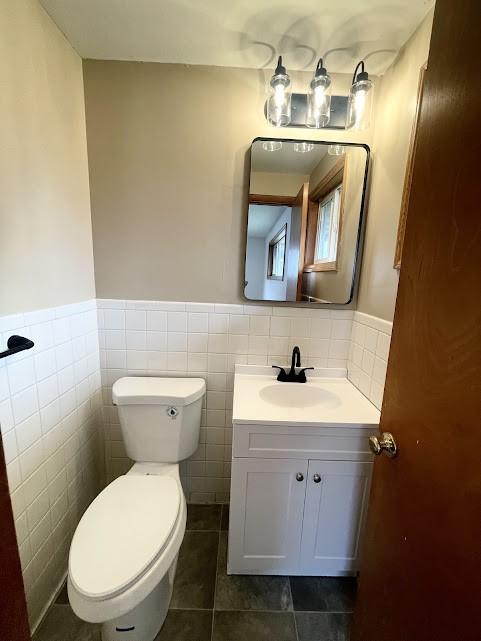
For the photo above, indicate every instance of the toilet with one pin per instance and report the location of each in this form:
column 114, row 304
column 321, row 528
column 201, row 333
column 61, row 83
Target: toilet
column 124, row 551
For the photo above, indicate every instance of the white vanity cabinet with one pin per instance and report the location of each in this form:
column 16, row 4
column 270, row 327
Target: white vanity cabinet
column 334, row 510
column 298, row 499
column 301, row 472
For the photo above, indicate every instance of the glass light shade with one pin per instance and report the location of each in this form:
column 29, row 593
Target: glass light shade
column 279, row 101
column 272, row 145
column 359, row 105
column 303, row 147
column 336, row 150
column 319, row 102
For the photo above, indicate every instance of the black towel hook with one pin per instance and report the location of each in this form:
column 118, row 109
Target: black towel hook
column 16, row 344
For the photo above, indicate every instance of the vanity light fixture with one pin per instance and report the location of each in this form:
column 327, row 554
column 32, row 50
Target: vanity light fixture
column 336, row 150
column 272, row 145
column 319, row 98
column 359, row 105
column 279, row 101
column 303, row 147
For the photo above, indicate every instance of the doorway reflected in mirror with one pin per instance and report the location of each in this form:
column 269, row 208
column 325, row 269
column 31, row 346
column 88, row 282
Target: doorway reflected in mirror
column 305, row 220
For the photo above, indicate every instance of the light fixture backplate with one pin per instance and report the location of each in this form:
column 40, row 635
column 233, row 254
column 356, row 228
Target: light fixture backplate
column 299, row 112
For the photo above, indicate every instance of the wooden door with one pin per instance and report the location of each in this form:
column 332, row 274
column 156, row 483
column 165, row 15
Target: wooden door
column 13, row 610
column 267, row 504
column 299, row 209
column 421, row 566
column 336, row 501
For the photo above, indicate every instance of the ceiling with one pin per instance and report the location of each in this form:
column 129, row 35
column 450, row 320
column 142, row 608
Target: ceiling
column 244, row 33
column 286, row 160
column 261, row 219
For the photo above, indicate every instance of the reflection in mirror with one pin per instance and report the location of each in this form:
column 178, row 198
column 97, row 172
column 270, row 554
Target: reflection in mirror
column 304, row 221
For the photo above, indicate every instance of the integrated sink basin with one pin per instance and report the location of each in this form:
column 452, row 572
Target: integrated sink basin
column 327, row 399
column 299, row 395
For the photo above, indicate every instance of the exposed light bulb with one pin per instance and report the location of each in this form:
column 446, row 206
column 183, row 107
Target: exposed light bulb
column 336, row 150
column 279, row 102
column 272, row 145
column 303, row 147
column 319, row 98
column 359, row 104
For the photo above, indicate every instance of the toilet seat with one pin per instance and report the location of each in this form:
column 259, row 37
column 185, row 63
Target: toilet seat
column 123, row 534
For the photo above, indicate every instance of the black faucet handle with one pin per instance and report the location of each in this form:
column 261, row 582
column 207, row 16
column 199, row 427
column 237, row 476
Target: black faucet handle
column 282, row 376
column 301, row 374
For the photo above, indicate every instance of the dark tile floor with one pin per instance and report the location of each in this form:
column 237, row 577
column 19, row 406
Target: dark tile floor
column 209, row 605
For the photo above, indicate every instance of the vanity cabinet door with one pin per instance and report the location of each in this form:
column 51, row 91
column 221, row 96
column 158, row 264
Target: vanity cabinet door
column 266, row 510
column 336, row 501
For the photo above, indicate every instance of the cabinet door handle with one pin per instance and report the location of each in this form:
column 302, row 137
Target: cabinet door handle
column 316, row 478
column 299, row 477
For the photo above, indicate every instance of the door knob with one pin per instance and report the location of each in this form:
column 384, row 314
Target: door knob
column 386, row 443
column 316, row 478
column 299, row 477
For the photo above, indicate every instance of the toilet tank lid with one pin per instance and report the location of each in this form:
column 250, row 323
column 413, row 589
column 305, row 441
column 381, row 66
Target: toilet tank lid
column 153, row 390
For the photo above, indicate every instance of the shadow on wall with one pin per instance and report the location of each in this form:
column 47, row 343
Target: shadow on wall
column 273, row 31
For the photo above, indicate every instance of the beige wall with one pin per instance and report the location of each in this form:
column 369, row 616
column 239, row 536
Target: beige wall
column 168, row 158
column 276, row 184
column 46, row 243
column 396, row 94
column 169, row 176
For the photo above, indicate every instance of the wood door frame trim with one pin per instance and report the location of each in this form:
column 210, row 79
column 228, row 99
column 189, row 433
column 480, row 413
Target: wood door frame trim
column 408, row 177
column 267, row 199
column 328, row 182
column 304, row 204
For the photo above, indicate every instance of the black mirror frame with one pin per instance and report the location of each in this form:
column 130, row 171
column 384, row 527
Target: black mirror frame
column 360, row 230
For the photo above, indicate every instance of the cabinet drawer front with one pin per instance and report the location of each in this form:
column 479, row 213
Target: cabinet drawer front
column 333, row 443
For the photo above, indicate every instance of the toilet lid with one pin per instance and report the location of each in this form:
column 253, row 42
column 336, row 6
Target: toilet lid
column 122, row 533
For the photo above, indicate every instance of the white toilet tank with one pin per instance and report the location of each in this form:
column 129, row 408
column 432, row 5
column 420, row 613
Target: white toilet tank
column 159, row 417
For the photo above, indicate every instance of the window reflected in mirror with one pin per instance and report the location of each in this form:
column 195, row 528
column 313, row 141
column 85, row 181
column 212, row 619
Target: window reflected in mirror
column 327, row 230
column 277, row 255
column 304, row 220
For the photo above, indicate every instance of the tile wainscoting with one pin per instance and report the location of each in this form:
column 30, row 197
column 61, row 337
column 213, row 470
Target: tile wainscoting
column 207, row 340
column 50, row 414
column 368, row 355
column 56, row 398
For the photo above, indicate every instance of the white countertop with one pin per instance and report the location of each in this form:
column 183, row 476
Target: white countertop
column 327, row 399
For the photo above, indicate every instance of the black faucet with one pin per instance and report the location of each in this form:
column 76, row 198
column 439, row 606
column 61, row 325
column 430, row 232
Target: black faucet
column 292, row 377
column 295, row 360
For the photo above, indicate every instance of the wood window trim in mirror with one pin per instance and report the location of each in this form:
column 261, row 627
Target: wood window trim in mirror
column 409, row 173
column 282, row 233
column 334, row 177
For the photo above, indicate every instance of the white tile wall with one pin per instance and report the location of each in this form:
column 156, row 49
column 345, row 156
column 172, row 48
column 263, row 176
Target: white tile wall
column 50, row 420
column 368, row 355
column 207, row 340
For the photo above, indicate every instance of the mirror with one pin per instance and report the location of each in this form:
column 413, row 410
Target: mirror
column 305, row 219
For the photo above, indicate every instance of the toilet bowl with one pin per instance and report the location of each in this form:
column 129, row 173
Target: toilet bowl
column 124, row 551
